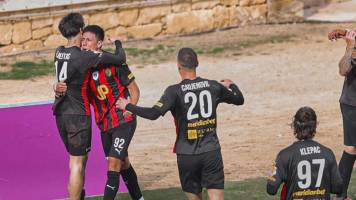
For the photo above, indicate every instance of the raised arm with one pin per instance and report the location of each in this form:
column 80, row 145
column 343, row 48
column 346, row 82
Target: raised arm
column 346, row 63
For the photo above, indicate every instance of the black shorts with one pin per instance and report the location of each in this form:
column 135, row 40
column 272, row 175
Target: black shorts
column 75, row 131
column 202, row 170
column 116, row 141
column 349, row 124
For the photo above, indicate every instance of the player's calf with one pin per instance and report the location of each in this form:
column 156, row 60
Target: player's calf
column 129, row 176
column 112, row 185
column 215, row 194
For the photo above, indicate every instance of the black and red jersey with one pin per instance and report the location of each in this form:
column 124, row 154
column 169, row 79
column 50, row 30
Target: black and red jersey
column 107, row 84
column 72, row 65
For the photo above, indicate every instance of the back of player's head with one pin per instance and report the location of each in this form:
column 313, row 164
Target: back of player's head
column 187, row 58
column 304, row 123
column 97, row 30
column 71, row 25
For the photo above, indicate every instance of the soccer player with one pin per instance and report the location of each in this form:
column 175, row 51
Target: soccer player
column 307, row 168
column 193, row 103
column 107, row 83
column 348, row 106
column 72, row 108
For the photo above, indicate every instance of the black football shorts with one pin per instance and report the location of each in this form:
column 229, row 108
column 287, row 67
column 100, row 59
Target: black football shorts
column 349, row 124
column 116, row 140
column 75, row 131
column 204, row 170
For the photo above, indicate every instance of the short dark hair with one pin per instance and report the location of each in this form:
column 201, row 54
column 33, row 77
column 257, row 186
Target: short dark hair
column 70, row 25
column 188, row 58
column 304, row 123
column 97, row 30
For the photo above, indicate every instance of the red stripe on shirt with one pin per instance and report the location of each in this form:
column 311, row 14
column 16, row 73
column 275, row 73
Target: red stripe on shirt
column 121, row 89
column 177, row 134
column 84, row 94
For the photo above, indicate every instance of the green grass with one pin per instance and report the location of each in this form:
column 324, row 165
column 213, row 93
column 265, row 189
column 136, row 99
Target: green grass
column 26, row 70
column 251, row 189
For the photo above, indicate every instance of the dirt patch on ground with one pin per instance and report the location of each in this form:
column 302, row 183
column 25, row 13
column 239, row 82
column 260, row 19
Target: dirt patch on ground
column 279, row 68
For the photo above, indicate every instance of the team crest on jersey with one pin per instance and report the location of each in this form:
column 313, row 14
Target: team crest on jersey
column 108, row 72
column 95, row 75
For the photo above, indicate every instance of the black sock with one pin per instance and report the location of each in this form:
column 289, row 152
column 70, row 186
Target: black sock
column 82, row 195
column 112, row 185
column 130, row 178
column 345, row 167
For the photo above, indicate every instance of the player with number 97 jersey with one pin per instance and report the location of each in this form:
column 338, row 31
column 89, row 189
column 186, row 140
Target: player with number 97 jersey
column 307, row 168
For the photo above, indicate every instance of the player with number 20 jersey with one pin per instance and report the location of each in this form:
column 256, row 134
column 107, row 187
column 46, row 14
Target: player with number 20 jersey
column 193, row 103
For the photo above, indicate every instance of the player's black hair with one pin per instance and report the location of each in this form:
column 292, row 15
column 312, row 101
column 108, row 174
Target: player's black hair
column 97, row 30
column 70, row 25
column 187, row 58
column 304, row 123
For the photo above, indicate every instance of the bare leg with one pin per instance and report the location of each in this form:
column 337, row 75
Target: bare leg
column 76, row 177
column 215, row 194
column 192, row 196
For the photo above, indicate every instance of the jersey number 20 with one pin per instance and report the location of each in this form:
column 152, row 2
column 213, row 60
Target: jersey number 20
column 203, row 96
column 62, row 68
column 304, row 173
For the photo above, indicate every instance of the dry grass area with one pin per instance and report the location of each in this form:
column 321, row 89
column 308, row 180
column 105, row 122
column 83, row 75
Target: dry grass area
column 279, row 68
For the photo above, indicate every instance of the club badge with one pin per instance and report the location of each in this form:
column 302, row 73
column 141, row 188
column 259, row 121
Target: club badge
column 95, row 75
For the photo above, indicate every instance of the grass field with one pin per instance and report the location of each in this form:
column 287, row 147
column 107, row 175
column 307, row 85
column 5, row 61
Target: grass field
column 253, row 189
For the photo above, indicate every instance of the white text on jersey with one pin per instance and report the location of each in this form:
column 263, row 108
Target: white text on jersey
column 65, row 56
column 309, row 150
column 195, row 86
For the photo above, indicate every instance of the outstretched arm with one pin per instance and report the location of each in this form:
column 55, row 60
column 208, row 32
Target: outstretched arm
column 144, row 112
column 159, row 109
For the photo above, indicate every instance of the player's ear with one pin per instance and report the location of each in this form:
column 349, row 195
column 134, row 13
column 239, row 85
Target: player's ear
column 100, row 44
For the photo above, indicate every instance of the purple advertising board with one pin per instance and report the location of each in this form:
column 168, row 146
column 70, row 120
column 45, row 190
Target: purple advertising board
column 34, row 162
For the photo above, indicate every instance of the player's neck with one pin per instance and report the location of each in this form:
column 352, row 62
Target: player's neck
column 74, row 41
column 189, row 75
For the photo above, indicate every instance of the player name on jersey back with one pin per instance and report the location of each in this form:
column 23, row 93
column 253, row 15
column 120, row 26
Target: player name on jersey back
column 309, row 150
column 63, row 56
column 195, row 86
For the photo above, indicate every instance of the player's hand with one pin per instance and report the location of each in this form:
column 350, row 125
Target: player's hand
column 226, row 83
column 60, row 87
column 336, row 34
column 127, row 114
column 112, row 39
column 122, row 103
column 350, row 38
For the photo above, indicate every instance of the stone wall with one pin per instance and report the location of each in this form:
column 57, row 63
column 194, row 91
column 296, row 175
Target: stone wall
column 132, row 19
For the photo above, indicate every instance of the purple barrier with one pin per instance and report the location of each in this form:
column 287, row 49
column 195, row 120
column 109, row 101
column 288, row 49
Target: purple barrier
column 33, row 160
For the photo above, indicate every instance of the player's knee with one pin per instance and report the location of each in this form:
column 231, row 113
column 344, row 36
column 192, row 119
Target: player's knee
column 114, row 164
column 350, row 150
column 77, row 168
column 126, row 163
